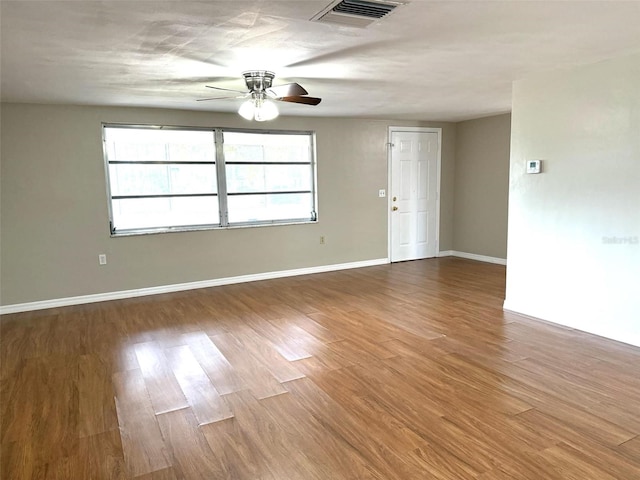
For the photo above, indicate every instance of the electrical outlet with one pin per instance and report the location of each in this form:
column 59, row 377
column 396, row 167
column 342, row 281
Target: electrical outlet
column 322, row 240
column 102, row 259
column 382, row 193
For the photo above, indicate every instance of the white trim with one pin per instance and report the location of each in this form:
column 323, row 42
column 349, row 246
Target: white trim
column 508, row 307
column 629, row 338
column 140, row 292
column 473, row 256
column 393, row 129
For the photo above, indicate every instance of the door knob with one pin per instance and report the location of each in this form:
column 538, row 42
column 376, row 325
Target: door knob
column 394, row 208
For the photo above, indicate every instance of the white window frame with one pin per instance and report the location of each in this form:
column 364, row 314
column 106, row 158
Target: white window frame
column 222, row 195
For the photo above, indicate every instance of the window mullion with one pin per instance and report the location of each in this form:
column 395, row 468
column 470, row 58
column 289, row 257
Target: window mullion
column 168, row 170
column 314, row 177
column 222, row 177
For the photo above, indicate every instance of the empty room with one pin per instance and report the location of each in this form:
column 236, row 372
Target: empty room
column 316, row 239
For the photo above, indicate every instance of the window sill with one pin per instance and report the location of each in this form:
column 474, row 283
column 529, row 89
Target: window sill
column 158, row 231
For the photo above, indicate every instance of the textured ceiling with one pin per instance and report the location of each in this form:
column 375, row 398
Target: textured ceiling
column 447, row 60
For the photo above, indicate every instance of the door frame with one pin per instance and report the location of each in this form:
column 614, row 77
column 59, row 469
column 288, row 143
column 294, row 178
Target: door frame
column 393, row 129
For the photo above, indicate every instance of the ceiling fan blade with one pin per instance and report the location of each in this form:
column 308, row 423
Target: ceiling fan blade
column 299, row 99
column 218, row 98
column 287, row 90
column 226, row 89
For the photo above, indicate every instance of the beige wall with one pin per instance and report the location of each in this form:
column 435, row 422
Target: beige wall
column 54, row 219
column 482, row 186
column 447, row 184
column 574, row 230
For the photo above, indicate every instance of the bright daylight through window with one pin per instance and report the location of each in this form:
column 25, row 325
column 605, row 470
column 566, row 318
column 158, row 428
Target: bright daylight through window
column 167, row 178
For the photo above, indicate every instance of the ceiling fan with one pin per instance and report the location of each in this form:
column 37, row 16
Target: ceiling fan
column 261, row 93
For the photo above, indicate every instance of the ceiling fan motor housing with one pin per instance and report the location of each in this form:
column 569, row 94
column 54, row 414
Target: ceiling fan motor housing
column 258, row 80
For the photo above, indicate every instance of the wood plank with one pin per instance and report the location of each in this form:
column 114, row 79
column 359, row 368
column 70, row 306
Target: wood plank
column 284, row 317
column 439, row 464
column 207, row 404
column 19, row 410
column 363, row 405
column 54, row 430
column 237, row 451
column 336, row 418
column 258, row 378
column 101, row 456
column 164, row 474
column 571, row 426
column 630, row 449
column 610, row 460
column 221, row 373
column 575, row 465
column 327, row 456
column 283, row 456
column 266, row 352
column 567, row 412
column 107, row 337
column 290, row 341
column 585, row 392
column 15, row 341
column 163, row 388
column 97, row 408
column 532, row 467
column 19, row 461
column 191, row 454
column 144, row 448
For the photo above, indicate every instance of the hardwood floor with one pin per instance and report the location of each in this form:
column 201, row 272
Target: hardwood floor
column 403, row 371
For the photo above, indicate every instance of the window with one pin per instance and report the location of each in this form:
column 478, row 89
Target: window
column 168, row 178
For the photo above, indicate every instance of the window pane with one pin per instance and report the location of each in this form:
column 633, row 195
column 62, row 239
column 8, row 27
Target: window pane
column 164, row 212
column 266, row 147
column 255, row 208
column 249, row 167
column 143, row 144
column 145, row 179
column 268, row 178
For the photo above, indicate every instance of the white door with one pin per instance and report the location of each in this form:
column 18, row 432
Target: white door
column 413, row 195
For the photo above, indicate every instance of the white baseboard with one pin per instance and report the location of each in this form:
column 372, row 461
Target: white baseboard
column 472, row 256
column 140, row 292
column 569, row 322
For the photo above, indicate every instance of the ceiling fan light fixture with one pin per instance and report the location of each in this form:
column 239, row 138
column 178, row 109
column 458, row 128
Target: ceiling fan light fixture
column 247, row 110
column 267, row 110
column 258, row 109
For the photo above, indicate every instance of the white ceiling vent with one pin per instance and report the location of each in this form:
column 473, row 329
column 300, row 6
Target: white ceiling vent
column 356, row 13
